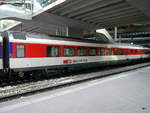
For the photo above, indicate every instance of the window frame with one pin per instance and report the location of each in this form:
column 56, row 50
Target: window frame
column 100, row 51
column 116, row 51
column 110, row 49
column 132, row 51
column 82, row 48
column 90, row 51
column 23, row 51
column 51, row 47
column 68, row 47
column 120, row 51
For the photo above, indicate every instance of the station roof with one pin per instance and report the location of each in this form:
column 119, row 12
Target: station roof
column 84, row 14
column 104, row 12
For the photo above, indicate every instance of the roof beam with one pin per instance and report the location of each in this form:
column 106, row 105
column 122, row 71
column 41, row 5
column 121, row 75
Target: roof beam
column 79, row 6
column 112, row 12
column 117, row 6
column 110, row 17
column 65, row 6
column 87, row 8
column 98, row 6
column 142, row 5
column 121, row 21
column 58, row 8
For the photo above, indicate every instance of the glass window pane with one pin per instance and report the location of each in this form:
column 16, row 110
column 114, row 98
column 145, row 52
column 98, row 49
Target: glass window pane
column 81, row 51
column 68, row 51
column 92, row 51
column 20, row 51
column 115, row 51
column 108, row 51
column 121, row 52
column 101, row 51
column 132, row 51
column 53, row 51
column 148, row 51
column 142, row 52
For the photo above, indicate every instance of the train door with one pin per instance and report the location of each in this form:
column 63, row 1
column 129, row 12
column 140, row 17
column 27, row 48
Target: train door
column 5, row 51
column 1, row 57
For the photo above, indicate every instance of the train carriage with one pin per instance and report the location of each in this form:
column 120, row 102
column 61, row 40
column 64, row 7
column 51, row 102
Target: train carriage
column 29, row 52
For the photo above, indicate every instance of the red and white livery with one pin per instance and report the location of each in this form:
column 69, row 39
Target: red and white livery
column 28, row 52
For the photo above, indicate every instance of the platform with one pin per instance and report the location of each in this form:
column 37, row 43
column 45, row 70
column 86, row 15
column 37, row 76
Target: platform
column 128, row 92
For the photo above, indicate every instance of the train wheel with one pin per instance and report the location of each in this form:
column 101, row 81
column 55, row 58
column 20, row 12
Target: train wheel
column 9, row 74
column 37, row 74
column 46, row 73
column 21, row 74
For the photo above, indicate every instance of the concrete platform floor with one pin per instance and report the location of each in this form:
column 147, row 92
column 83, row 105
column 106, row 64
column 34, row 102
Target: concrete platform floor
column 128, row 92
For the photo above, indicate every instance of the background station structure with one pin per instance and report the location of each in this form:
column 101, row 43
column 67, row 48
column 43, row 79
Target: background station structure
column 76, row 18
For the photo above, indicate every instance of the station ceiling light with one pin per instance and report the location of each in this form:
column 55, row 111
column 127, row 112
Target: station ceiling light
column 132, row 43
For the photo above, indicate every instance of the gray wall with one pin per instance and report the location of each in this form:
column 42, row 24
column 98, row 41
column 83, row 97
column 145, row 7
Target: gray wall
column 75, row 32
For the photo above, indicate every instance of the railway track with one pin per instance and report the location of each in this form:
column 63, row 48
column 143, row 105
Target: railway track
column 16, row 91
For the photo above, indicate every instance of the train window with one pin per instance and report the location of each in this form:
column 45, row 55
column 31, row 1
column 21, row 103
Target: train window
column 52, row 51
column 69, row 51
column 101, row 51
column 81, row 51
column 108, row 51
column 120, row 52
column 148, row 51
column 116, row 51
column 92, row 51
column 20, row 36
column 132, row 51
column 20, row 51
column 142, row 52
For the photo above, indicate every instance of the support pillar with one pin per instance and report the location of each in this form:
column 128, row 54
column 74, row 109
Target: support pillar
column 116, row 33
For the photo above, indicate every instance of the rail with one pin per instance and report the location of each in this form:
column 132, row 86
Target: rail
column 18, row 90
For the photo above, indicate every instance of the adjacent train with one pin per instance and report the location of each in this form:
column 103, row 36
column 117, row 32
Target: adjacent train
column 27, row 52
